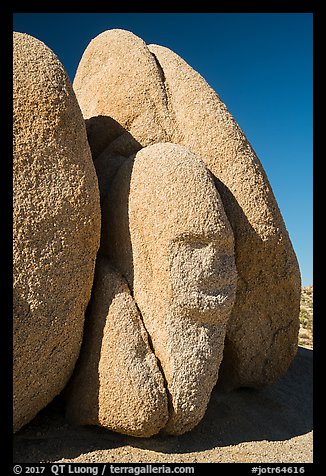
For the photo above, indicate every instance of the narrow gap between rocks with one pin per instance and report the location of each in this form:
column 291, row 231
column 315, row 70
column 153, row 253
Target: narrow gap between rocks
column 159, row 364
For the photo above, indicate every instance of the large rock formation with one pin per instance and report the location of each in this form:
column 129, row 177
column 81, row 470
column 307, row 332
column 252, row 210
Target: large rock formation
column 169, row 236
column 204, row 267
column 56, row 227
column 133, row 96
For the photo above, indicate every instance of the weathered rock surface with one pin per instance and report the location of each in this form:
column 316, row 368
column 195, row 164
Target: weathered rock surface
column 263, row 329
column 117, row 383
column 156, row 96
column 168, row 234
column 118, row 81
column 56, row 227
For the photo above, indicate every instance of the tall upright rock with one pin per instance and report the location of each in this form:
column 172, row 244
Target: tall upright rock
column 56, row 227
column 168, row 234
column 152, row 349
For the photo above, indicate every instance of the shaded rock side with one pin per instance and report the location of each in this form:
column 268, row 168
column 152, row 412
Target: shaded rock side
column 117, row 383
column 166, row 231
column 56, row 227
column 262, row 331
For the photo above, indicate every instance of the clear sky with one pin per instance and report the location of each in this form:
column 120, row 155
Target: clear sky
column 260, row 64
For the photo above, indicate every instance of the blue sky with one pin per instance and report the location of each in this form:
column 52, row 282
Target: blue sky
column 260, row 64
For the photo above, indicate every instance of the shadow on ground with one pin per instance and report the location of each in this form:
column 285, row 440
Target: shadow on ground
column 276, row 413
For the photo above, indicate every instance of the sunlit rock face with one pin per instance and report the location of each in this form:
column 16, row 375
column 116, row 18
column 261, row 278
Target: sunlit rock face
column 56, row 227
column 153, row 347
column 176, row 250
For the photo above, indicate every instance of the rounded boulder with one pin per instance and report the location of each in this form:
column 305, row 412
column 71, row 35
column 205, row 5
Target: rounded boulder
column 56, row 227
